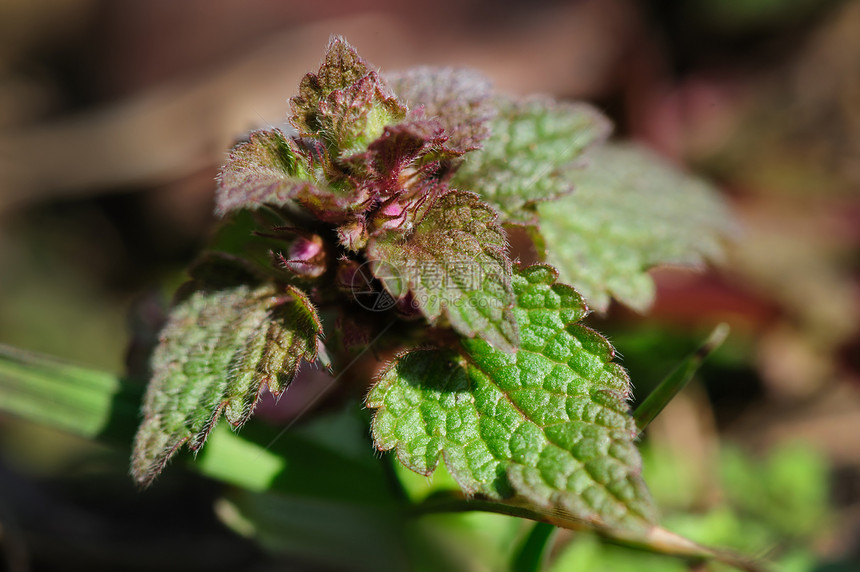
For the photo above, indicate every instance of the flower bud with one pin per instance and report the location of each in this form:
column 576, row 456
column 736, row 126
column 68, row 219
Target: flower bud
column 306, row 256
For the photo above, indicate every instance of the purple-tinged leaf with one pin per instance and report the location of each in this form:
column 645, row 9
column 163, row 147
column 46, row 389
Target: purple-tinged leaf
column 458, row 98
column 344, row 103
column 402, row 169
column 455, row 266
column 268, row 169
column 218, row 352
column 271, row 169
column 391, row 161
column 349, row 119
column 341, row 68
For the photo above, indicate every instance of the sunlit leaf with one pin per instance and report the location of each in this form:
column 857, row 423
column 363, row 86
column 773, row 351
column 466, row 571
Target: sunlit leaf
column 266, row 170
column 630, row 211
column 534, row 144
column 453, row 264
column 344, row 102
column 549, row 422
column 220, row 349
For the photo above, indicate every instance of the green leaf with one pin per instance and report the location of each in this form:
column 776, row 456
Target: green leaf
column 453, row 264
column 533, row 145
column 630, row 211
column 230, row 458
column 548, row 422
column 217, row 353
column 459, row 99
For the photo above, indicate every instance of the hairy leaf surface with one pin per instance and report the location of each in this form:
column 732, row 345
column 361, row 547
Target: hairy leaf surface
column 341, row 68
column 453, row 264
column 549, row 422
column 630, row 211
column 272, row 169
column 216, row 354
column 266, row 170
column 345, row 103
column 349, row 119
column 459, row 99
column 534, row 144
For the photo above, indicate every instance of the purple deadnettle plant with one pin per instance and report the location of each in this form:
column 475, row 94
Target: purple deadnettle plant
column 385, row 219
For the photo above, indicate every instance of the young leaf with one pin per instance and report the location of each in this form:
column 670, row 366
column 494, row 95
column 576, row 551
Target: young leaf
column 272, row 169
column 630, row 211
column 548, row 422
column 350, row 118
column 459, row 99
column 218, row 352
column 267, row 169
column 341, row 68
column 454, row 263
column 400, row 168
column 345, row 103
column 534, row 143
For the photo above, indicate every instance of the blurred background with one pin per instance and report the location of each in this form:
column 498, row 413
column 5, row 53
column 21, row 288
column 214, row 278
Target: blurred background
column 114, row 118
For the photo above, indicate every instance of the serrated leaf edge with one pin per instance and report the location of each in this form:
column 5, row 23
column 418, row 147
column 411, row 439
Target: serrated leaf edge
column 196, row 441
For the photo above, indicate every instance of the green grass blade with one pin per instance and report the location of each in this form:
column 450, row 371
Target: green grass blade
column 532, row 554
column 678, row 378
column 78, row 400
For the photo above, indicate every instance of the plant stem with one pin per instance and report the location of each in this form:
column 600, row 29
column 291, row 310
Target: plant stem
column 653, row 539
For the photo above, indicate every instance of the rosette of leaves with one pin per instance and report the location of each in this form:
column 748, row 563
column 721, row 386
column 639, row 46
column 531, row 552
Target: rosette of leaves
column 403, row 187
